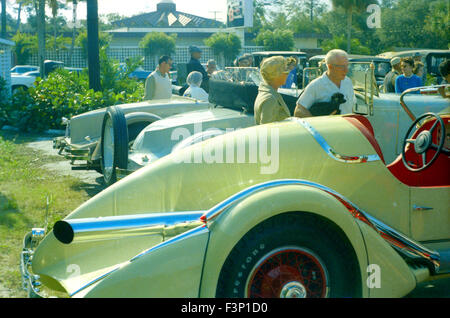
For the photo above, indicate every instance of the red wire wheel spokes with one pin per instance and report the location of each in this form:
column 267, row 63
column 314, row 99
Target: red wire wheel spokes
column 288, row 272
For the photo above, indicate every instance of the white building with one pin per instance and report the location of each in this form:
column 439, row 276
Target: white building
column 5, row 61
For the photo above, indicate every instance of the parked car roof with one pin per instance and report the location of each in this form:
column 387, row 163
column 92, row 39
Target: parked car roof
column 24, row 69
column 423, row 52
column 283, row 53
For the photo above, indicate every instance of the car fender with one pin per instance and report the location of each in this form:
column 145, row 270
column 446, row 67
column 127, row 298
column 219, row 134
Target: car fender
column 172, row 269
column 388, row 273
column 229, row 227
column 136, row 117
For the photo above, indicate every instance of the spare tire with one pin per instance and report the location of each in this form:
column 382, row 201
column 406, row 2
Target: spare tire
column 114, row 144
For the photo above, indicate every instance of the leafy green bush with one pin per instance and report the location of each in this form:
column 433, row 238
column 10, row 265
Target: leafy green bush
column 158, row 43
column 25, row 46
column 64, row 94
column 224, row 45
column 104, row 39
column 4, row 102
column 340, row 42
column 278, row 40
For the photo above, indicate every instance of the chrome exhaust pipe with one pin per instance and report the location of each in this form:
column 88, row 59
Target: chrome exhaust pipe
column 113, row 227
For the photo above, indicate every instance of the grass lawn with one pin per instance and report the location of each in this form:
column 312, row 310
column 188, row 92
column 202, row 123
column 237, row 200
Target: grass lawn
column 24, row 187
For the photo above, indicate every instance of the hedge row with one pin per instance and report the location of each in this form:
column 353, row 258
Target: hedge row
column 64, row 94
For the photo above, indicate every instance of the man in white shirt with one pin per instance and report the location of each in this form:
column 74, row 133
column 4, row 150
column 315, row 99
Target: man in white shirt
column 333, row 81
column 158, row 84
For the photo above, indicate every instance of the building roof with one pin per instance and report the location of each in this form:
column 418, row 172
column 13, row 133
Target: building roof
column 166, row 16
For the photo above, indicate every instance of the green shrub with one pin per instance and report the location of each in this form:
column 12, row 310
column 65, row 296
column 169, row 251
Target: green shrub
column 224, row 45
column 278, row 40
column 104, row 39
column 64, row 94
column 25, row 46
column 4, row 102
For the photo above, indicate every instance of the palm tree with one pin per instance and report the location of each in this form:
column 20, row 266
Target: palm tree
column 40, row 13
column 22, row 4
column 54, row 5
column 74, row 30
column 350, row 6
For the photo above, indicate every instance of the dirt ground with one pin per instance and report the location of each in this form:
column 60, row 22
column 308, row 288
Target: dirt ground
column 63, row 167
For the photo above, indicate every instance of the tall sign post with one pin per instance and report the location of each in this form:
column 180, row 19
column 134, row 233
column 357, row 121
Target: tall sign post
column 239, row 17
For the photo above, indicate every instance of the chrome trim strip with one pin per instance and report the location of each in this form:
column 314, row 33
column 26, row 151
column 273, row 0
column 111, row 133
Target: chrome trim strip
column 191, row 233
column 95, row 280
column 330, row 151
column 412, row 248
column 421, row 208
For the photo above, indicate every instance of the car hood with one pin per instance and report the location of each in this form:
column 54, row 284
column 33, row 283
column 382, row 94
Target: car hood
column 159, row 138
column 200, row 176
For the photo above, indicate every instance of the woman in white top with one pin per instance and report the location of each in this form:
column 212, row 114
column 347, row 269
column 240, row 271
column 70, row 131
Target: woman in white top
column 194, row 80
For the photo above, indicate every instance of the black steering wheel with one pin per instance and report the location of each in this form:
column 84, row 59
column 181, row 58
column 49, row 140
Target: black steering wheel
column 423, row 142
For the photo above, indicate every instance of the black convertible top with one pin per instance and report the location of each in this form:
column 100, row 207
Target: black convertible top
column 240, row 95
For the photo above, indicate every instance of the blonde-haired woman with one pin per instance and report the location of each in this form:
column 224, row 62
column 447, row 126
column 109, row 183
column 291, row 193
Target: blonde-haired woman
column 269, row 105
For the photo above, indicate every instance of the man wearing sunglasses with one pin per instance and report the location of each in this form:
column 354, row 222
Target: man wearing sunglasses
column 333, row 81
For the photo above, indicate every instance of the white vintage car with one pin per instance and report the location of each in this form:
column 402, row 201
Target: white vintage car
column 126, row 137
column 83, row 132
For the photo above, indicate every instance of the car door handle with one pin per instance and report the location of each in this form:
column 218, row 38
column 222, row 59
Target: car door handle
column 421, row 208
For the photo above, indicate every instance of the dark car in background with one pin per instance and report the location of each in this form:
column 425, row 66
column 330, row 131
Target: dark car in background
column 430, row 58
column 382, row 64
column 301, row 57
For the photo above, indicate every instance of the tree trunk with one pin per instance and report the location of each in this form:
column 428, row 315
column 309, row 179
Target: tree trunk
column 41, row 35
column 93, row 49
column 19, row 10
column 74, row 20
column 54, row 32
column 349, row 28
column 3, row 33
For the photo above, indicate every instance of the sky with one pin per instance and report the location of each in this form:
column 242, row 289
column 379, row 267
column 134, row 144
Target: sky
column 205, row 8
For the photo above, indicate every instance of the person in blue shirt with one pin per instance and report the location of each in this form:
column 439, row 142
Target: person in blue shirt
column 292, row 76
column 408, row 79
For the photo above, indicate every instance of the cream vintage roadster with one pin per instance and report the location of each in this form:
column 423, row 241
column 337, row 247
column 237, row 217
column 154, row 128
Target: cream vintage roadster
column 332, row 206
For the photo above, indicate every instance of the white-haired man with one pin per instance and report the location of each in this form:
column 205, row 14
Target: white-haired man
column 333, row 81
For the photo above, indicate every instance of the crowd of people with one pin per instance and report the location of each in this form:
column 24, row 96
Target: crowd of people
column 405, row 73
column 279, row 72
